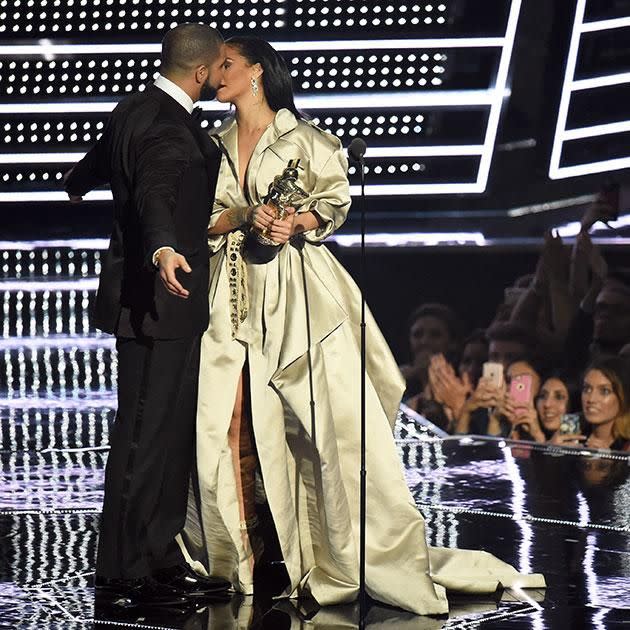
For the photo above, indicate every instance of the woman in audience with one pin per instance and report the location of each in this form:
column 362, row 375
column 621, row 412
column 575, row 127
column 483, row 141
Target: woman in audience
column 558, row 396
column 553, row 402
column 606, row 404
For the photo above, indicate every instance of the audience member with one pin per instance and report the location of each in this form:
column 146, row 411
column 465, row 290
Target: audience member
column 474, row 355
column 521, row 413
column 557, row 397
column 508, row 341
column 572, row 311
column 433, row 329
column 606, row 404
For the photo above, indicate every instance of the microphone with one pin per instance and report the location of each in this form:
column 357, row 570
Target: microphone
column 357, row 149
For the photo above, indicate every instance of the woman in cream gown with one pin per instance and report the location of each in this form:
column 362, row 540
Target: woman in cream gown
column 282, row 334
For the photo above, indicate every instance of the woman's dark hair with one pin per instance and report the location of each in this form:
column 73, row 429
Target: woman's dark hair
column 476, row 336
column 276, row 77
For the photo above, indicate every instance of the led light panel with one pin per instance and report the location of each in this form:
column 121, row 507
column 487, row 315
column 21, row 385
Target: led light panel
column 557, row 168
column 59, row 94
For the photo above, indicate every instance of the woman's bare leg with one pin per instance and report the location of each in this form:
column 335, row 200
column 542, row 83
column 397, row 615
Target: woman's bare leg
column 245, row 461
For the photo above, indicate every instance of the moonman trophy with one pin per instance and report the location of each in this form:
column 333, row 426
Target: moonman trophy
column 283, row 193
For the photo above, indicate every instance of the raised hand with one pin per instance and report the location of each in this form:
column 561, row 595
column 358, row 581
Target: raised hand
column 447, row 388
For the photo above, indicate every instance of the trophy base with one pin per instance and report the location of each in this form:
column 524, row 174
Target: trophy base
column 258, row 249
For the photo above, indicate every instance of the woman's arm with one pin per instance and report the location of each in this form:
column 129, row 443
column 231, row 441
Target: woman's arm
column 230, row 219
column 306, row 221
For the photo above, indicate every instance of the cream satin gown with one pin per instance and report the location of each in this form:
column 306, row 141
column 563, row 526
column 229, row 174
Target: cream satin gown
column 310, row 466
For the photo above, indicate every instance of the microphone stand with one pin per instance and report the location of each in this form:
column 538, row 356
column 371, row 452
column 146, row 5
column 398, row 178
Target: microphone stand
column 358, row 157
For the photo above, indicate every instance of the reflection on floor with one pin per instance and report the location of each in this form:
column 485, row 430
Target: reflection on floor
column 554, row 511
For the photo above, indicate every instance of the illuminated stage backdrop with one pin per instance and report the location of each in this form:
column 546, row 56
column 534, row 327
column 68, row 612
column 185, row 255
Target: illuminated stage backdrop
column 424, row 83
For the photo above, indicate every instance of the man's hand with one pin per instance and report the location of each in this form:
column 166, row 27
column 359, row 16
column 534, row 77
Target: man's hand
column 73, row 198
column 168, row 262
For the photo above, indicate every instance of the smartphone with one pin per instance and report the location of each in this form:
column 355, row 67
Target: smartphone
column 570, row 424
column 521, row 389
column 493, row 372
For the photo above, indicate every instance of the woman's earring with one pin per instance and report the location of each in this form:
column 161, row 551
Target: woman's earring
column 254, row 87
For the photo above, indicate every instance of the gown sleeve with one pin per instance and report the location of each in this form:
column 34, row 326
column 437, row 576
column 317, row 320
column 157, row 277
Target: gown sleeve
column 330, row 198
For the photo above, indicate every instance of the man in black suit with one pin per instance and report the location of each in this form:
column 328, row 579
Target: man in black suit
column 153, row 295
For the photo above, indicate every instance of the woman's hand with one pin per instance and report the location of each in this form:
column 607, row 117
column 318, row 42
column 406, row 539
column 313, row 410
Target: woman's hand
column 447, row 388
column 486, row 395
column 527, row 419
column 593, row 442
column 263, row 217
column 566, row 439
column 281, row 230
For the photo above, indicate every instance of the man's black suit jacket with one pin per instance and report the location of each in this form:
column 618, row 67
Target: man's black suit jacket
column 162, row 168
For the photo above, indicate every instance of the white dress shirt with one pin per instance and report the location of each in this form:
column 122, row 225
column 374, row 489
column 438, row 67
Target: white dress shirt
column 175, row 92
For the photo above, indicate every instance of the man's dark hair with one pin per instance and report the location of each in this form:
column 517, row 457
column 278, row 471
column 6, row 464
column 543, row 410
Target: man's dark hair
column 189, row 45
column 442, row 312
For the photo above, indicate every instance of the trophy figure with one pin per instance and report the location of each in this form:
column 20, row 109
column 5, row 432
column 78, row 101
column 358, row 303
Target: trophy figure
column 283, row 193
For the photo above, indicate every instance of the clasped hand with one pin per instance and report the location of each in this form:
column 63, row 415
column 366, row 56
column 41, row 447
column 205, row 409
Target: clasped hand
column 278, row 230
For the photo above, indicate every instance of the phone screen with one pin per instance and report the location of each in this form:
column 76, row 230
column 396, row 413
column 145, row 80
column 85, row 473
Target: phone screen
column 570, row 424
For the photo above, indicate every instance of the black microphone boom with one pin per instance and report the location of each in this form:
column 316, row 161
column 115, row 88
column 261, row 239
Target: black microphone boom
column 357, row 149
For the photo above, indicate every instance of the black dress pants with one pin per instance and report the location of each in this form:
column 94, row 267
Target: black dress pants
column 151, row 456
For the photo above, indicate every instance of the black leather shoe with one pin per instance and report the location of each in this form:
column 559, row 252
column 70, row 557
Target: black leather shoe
column 139, row 592
column 187, row 582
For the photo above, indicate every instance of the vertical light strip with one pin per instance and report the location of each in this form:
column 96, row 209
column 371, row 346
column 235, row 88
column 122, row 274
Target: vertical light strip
column 565, row 99
column 499, row 95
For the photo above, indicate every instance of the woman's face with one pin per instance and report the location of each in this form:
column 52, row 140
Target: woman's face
column 599, row 401
column 236, row 76
column 552, row 403
column 428, row 336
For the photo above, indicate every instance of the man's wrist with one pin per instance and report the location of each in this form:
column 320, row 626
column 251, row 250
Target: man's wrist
column 155, row 259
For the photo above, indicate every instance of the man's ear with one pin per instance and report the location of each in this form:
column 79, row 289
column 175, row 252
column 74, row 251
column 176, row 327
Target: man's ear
column 201, row 74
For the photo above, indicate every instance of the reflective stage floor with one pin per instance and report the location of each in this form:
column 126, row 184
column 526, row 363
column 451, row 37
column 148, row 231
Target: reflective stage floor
column 559, row 512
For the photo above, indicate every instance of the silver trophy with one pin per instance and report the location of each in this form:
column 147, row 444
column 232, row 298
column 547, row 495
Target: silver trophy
column 283, row 193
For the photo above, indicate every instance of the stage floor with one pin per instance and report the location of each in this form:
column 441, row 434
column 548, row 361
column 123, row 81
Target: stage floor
column 560, row 512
